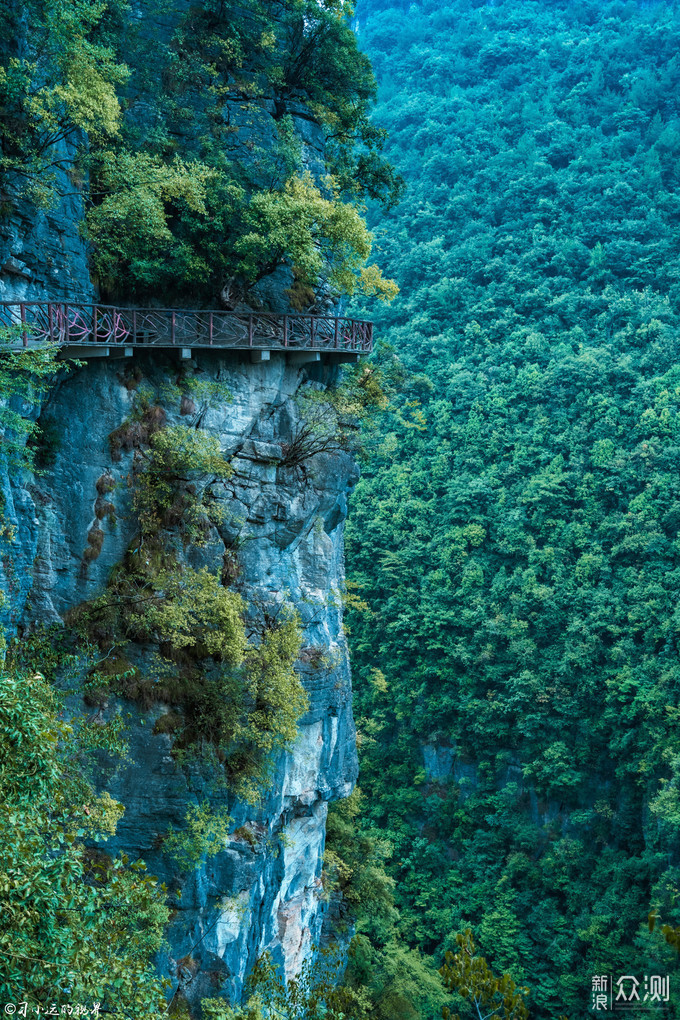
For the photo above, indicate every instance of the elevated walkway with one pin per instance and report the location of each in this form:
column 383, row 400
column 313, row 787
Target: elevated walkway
column 91, row 330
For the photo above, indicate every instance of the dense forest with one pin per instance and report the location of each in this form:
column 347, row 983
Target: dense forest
column 515, row 534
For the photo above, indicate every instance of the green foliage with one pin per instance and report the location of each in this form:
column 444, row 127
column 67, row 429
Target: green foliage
column 129, row 227
column 516, row 532
column 340, row 417
column 25, row 376
column 194, row 611
column 320, row 236
column 63, row 85
column 44, row 444
column 205, row 835
column 312, row 995
column 354, row 863
column 217, row 1009
column 188, row 611
column 390, row 980
column 489, row 997
column 234, row 704
column 400, row 983
column 239, row 703
column 77, row 925
column 271, row 701
column 172, row 487
column 189, row 179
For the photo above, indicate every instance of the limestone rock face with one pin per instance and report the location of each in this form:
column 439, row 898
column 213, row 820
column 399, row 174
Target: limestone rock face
column 263, row 891
column 42, row 252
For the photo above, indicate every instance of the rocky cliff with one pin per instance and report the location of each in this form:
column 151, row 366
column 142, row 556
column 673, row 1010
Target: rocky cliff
column 65, row 530
column 282, row 534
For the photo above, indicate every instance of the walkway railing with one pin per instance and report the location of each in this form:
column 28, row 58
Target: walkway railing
column 63, row 323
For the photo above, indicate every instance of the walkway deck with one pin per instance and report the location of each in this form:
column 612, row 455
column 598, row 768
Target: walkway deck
column 108, row 326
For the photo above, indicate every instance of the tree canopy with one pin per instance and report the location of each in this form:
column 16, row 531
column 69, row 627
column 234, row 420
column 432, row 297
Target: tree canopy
column 183, row 129
column 516, row 533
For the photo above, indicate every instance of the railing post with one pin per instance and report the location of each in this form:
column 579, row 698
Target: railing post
column 94, row 323
column 337, row 332
column 354, row 334
column 311, row 333
column 134, row 326
column 250, row 331
column 285, row 331
column 370, row 337
column 211, row 328
column 173, row 328
column 50, row 320
column 68, row 324
column 22, row 313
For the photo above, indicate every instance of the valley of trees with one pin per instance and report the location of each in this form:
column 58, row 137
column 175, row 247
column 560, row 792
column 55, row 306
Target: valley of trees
column 516, row 533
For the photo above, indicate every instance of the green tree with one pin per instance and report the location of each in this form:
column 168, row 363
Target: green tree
column 63, row 86
column 489, row 997
column 92, row 108
column 77, row 925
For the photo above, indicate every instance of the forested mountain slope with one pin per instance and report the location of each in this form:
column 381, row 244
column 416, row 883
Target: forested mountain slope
column 517, row 533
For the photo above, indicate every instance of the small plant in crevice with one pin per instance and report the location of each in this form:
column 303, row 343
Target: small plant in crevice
column 194, row 395
column 246, row 834
column 171, row 490
column 334, row 420
column 137, row 430
column 205, row 833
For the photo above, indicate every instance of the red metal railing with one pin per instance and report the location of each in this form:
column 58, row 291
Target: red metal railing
column 63, row 323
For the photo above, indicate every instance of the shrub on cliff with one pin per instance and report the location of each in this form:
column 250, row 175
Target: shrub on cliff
column 235, row 703
column 77, row 925
column 179, row 138
column 25, row 376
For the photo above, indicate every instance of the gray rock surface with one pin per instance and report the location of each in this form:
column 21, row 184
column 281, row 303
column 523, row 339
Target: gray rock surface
column 42, row 252
column 262, row 891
